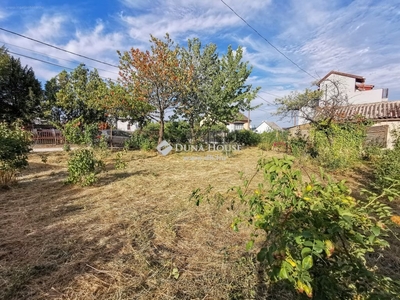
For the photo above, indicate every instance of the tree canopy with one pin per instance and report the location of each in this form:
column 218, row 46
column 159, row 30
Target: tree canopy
column 20, row 91
column 194, row 82
column 156, row 76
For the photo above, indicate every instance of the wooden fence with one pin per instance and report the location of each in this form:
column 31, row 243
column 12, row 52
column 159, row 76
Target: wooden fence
column 48, row 136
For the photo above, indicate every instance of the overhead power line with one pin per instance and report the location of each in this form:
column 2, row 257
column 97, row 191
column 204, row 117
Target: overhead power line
column 47, row 62
column 255, row 30
column 269, row 103
column 50, row 63
column 58, row 48
column 55, row 57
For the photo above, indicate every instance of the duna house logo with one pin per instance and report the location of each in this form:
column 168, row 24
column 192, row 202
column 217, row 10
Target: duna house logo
column 164, row 148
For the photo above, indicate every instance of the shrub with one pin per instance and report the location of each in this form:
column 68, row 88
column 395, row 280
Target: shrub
column 177, row 132
column 14, row 148
column 315, row 235
column 243, row 137
column 83, row 167
column 75, row 132
column 271, row 138
column 72, row 131
column 119, row 162
column 386, row 168
column 299, row 144
column 343, row 149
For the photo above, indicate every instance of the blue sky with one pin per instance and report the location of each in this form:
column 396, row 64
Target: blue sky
column 360, row 37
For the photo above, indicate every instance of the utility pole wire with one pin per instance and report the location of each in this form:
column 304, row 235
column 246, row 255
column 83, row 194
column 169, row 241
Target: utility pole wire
column 50, row 63
column 255, row 30
column 58, row 48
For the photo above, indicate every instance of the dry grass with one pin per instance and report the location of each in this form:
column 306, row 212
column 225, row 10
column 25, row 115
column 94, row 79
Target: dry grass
column 122, row 238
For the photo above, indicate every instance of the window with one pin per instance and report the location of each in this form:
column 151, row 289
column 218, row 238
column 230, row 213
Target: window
column 237, row 126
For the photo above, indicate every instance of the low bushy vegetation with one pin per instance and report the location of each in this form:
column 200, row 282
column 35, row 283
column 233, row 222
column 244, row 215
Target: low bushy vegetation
column 83, row 167
column 273, row 140
column 386, row 165
column 312, row 234
column 244, row 137
column 14, row 148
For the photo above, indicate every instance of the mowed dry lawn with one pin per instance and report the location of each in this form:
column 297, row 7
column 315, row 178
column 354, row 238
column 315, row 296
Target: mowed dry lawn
column 133, row 235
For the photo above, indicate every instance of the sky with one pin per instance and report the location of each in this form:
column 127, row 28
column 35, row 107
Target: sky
column 309, row 38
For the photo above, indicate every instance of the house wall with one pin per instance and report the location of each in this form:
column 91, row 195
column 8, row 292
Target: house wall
column 393, row 125
column 347, row 86
column 263, row 127
column 231, row 126
column 124, row 125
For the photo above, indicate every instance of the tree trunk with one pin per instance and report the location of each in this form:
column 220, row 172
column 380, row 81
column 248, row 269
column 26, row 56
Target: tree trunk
column 193, row 138
column 161, row 131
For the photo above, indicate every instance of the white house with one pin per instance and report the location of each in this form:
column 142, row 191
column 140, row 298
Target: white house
column 127, row 125
column 352, row 86
column 240, row 122
column 267, row 127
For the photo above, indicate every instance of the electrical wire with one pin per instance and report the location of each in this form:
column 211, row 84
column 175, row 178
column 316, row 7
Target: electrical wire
column 55, row 57
column 58, row 48
column 50, row 63
column 279, row 51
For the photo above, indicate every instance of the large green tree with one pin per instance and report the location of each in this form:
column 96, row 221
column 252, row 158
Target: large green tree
column 117, row 102
column 228, row 92
column 76, row 93
column 20, row 91
column 218, row 89
column 156, row 76
column 50, row 110
column 205, row 67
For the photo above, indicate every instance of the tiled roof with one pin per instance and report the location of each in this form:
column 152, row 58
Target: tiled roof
column 375, row 111
column 273, row 126
column 241, row 117
column 357, row 77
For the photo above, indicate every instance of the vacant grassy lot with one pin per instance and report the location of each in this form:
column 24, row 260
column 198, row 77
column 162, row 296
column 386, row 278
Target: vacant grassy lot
column 134, row 235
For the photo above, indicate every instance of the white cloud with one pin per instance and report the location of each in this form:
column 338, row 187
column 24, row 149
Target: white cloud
column 360, row 37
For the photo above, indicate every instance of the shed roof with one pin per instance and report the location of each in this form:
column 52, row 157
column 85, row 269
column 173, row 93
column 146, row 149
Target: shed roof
column 387, row 110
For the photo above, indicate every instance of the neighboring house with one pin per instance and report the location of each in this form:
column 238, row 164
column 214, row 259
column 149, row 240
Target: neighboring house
column 241, row 122
column 267, row 127
column 127, row 125
column 352, row 86
column 385, row 115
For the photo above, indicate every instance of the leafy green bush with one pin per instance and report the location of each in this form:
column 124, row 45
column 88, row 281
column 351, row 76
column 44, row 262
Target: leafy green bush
column 299, row 144
column 386, row 168
column 75, row 132
column 313, row 234
column 14, row 148
column 177, row 132
column 243, row 137
column 341, row 147
column 72, row 131
column 269, row 139
column 83, row 167
column 119, row 162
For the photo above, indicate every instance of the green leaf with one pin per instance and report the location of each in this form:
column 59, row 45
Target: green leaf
column 249, row 245
column 307, row 262
column 299, row 239
column 305, row 251
column 308, row 244
column 376, row 230
column 283, row 273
